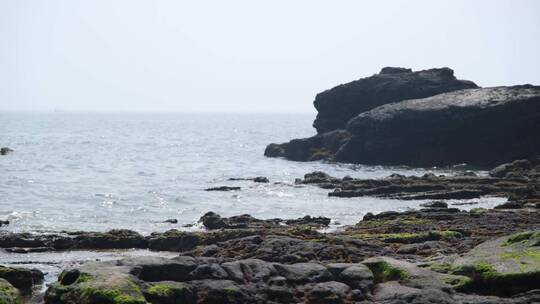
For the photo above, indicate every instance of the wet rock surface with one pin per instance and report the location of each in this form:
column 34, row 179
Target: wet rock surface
column 223, row 188
column 258, row 179
column 213, row 221
column 522, row 191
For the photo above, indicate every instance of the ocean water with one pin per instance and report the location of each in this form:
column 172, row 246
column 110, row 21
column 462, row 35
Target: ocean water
column 98, row 171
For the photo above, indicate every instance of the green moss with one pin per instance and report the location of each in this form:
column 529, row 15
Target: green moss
column 112, row 296
column 484, row 279
column 481, row 269
column 530, row 253
column 529, row 258
column 84, row 277
column 129, row 294
column 166, row 290
column 161, row 290
column 521, row 237
column 231, row 289
column 384, row 271
column 8, row 294
column 458, row 282
column 441, row 267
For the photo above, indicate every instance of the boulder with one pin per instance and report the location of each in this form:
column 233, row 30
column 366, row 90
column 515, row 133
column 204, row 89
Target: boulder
column 505, row 266
column 261, row 179
column 5, row 150
column 338, row 105
column 8, row 293
column 21, row 278
column 212, row 220
column 483, row 127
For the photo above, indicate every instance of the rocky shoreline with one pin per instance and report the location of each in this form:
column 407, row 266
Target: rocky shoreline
column 438, row 254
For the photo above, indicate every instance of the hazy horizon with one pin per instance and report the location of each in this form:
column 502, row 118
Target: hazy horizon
column 244, row 56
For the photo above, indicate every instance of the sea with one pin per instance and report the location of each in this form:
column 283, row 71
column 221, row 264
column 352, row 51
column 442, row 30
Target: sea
column 77, row 171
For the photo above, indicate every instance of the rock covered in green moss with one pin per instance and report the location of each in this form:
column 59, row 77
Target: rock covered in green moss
column 207, row 280
column 21, row 278
column 169, row 292
column 504, row 266
column 8, row 293
column 191, row 280
column 96, row 283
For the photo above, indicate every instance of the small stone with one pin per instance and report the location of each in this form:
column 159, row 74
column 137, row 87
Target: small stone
column 223, row 188
column 509, row 205
column 261, row 179
column 368, row 217
column 5, row 150
column 212, row 220
column 436, row 204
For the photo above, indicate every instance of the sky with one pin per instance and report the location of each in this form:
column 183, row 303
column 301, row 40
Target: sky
column 247, row 56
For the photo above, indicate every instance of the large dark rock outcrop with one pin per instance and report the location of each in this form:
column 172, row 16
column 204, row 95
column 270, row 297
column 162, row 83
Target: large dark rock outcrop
column 342, row 103
column 339, row 104
column 483, row 127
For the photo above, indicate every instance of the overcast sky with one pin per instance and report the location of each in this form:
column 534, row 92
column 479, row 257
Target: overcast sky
column 249, row 56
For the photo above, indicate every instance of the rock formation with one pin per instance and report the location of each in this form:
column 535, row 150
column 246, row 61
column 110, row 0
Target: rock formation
column 484, row 127
column 338, row 105
column 424, row 118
